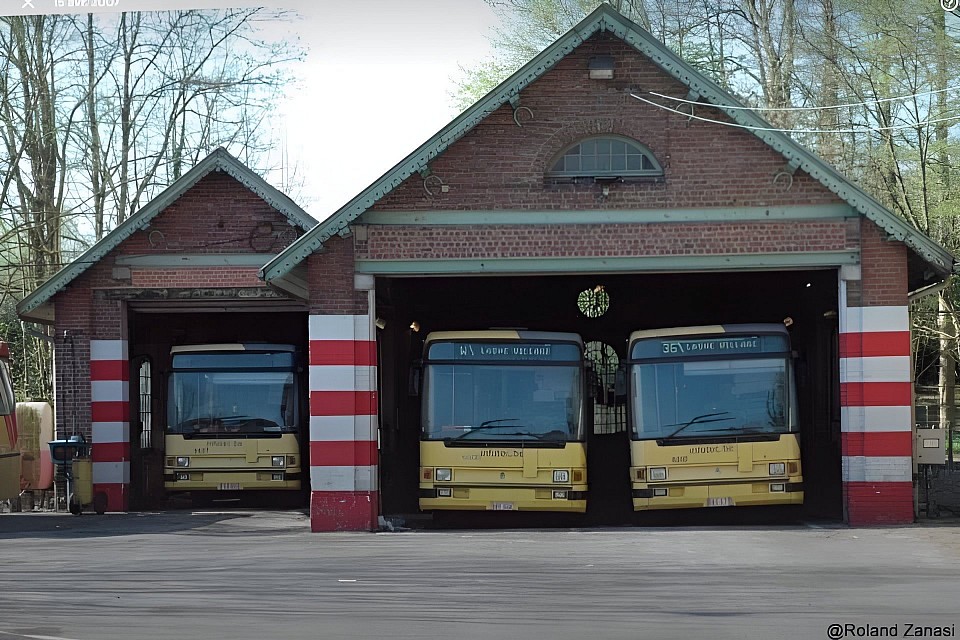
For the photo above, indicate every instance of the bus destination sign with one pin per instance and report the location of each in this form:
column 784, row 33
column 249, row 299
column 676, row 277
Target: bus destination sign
column 501, row 351
column 739, row 344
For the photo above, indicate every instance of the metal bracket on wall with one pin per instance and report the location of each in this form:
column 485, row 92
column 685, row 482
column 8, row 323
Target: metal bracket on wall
column 785, row 175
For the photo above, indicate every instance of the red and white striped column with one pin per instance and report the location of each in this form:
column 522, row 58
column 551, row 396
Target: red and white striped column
column 343, row 423
column 876, row 398
column 110, row 416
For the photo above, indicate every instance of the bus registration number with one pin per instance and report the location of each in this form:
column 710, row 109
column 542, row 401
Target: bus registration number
column 229, row 486
column 503, row 506
column 719, row 502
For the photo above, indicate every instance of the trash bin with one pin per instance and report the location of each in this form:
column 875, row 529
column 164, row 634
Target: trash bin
column 73, row 456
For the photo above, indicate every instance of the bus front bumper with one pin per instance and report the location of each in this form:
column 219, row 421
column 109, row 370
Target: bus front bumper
column 731, row 494
column 559, row 499
column 205, row 480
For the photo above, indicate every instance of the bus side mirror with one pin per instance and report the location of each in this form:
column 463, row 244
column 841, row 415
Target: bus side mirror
column 414, row 379
column 620, row 381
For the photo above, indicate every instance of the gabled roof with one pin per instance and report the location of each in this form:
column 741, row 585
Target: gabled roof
column 605, row 18
column 218, row 160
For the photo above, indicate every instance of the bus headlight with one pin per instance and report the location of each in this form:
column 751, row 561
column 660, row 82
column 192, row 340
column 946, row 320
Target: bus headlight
column 778, row 469
column 444, row 475
column 183, row 461
column 657, row 473
column 561, row 475
column 277, row 461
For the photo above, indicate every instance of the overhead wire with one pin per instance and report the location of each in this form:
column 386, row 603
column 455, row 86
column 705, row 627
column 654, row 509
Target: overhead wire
column 823, row 108
column 866, row 129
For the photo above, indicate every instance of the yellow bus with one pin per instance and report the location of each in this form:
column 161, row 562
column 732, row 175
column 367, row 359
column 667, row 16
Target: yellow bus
column 502, row 422
column 713, row 417
column 233, row 419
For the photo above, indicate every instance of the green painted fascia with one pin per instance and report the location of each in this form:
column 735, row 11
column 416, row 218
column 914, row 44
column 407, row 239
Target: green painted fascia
column 607, row 216
column 737, row 262
column 605, row 18
column 218, row 160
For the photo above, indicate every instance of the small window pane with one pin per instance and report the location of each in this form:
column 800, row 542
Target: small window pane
column 603, row 147
column 647, row 165
column 634, row 163
column 618, row 163
column 618, row 147
column 559, row 166
column 588, row 163
column 571, row 163
column 603, row 163
column 588, row 148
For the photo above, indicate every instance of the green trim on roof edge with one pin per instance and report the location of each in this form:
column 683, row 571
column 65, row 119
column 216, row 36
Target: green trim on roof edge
column 219, row 160
column 605, row 18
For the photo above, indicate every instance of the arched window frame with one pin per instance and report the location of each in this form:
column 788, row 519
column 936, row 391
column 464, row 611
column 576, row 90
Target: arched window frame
column 654, row 170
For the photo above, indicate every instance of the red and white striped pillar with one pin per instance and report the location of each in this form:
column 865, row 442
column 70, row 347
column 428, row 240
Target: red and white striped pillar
column 343, row 423
column 876, row 398
column 110, row 416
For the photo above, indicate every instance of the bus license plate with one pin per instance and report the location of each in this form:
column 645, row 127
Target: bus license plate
column 229, row 486
column 719, row 502
column 503, row 506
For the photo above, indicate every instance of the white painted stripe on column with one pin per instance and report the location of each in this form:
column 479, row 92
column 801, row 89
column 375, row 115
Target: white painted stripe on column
column 325, row 377
column 327, row 327
column 873, row 319
column 103, row 432
column 876, row 369
column 877, row 469
column 361, row 327
column 111, row 473
column 109, row 391
column 340, row 428
column 343, row 478
column 871, row 419
column 108, row 349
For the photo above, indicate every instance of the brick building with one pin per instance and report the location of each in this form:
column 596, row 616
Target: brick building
column 554, row 183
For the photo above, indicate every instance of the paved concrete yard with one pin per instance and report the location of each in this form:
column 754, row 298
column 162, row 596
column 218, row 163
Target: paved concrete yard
column 264, row 576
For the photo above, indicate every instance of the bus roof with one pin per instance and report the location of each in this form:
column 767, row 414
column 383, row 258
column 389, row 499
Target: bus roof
column 711, row 329
column 233, row 346
column 505, row 334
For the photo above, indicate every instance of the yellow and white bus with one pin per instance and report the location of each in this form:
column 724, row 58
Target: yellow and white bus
column 713, row 417
column 233, row 419
column 503, row 422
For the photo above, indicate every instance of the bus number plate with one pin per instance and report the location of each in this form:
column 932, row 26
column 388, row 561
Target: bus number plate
column 719, row 502
column 229, row 486
column 503, row 506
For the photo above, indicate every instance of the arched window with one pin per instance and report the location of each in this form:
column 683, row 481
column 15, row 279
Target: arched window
column 605, row 157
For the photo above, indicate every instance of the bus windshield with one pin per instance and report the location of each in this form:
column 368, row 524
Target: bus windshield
column 230, row 403
column 502, row 402
column 712, row 398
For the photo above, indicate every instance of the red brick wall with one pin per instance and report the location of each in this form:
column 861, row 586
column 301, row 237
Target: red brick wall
column 499, row 165
column 607, row 240
column 883, row 268
column 330, row 280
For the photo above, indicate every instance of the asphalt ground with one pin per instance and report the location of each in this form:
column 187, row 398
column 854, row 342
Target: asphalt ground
column 258, row 575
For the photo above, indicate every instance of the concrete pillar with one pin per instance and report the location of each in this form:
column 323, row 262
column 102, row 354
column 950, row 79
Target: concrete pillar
column 876, row 398
column 343, row 423
column 110, row 421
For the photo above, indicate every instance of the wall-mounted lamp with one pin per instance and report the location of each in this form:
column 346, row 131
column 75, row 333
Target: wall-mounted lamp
column 381, row 324
column 415, row 326
column 601, row 68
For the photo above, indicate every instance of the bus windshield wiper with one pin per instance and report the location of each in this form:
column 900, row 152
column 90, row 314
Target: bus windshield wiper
column 489, row 424
column 707, row 417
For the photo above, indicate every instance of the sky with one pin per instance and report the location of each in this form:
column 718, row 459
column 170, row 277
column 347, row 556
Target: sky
column 376, row 84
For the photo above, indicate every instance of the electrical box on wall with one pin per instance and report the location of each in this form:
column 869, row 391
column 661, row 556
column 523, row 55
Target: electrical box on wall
column 930, row 446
